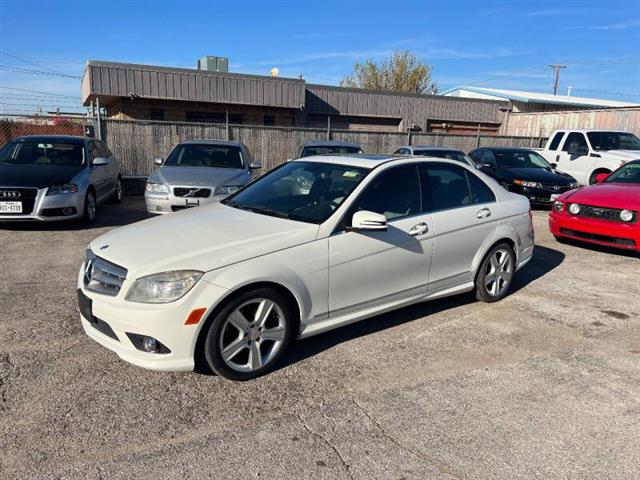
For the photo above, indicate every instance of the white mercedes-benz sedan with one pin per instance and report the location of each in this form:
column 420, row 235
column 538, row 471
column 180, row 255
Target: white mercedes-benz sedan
column 313, row 245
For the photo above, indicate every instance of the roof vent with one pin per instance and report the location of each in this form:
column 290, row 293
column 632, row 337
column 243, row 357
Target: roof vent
column 213, row 64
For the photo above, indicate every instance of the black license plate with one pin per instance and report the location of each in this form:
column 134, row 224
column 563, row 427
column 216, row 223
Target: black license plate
column 86, row 306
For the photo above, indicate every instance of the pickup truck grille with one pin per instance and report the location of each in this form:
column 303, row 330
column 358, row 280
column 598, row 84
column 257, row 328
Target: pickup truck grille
column 101, row 276
column 193, row 192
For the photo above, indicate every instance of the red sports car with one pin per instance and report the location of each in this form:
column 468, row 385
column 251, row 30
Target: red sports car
column 606, row 213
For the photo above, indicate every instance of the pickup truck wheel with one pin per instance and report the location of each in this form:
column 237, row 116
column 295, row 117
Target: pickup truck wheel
column 250, row 334
column 592, row 178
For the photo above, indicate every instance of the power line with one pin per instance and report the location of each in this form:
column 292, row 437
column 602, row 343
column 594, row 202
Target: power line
column 30, row 62
column 30, row 71
column 605, row 92
column 36, row 91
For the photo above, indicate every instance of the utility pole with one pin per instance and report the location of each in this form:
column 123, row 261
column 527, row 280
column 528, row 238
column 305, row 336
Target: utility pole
column 556, row 68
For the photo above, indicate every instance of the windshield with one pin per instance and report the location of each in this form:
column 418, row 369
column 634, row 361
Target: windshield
column 328, row 150
column 42, row 152
column 304, row 191
column 450, row 154
column 521, row 159
column 630, row 173
column 204, row 155
column 613, row 141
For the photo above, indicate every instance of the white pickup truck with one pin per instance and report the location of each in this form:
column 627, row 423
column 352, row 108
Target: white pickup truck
column 585, row 153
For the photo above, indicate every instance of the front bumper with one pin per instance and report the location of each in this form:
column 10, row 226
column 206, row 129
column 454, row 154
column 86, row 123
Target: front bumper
column 48, row 208
column 160, row 205
column 539, row 196
column 164, row 322
column 600, row 232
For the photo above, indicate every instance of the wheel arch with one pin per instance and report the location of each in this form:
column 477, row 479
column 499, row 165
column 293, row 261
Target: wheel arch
column 509, row 236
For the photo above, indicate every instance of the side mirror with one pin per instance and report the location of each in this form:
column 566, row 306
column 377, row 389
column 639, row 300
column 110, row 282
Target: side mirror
column 255, row 165
column 158, row 161
column 576, row 150
column 601, row 177
column 489, row 166
column 553, row 166
column 99, row 161
column 365, row 220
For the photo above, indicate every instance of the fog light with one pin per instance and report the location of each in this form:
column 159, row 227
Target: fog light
column 149, row 344
column 574, row 208
column 67, row 211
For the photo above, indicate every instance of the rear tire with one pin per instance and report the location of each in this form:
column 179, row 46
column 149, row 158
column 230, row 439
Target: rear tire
column 495, row 274
column 118, row 193
column 89, row 214
column 247, row 338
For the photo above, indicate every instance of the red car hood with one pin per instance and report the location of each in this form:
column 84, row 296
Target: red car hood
column 612, row 195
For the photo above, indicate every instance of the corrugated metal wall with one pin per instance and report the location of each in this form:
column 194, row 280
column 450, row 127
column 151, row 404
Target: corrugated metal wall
column 543, row 123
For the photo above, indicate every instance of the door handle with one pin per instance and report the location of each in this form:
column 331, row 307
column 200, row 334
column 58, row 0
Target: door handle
column 484, row 213
column 419, row 229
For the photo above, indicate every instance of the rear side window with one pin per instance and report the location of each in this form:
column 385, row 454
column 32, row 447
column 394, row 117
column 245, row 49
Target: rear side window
column 555, row 143
column 449, row 186
column 394, row 194
column 574, row 137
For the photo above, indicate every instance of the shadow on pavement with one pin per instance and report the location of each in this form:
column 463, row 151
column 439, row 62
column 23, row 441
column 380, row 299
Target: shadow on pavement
column 132, row 209
column 544, row 260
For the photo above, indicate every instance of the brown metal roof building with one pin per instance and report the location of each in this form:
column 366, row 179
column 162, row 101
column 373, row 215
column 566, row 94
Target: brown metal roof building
column 131, row 91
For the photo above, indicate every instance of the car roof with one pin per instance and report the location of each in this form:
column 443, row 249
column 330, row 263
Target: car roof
column 506, row 149
column 434, row 148
column 369, row 161
column 52, row 138
column 211, row 142
column 329, row 143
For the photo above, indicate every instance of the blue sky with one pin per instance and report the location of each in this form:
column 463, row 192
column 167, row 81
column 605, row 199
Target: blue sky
column 484, row 43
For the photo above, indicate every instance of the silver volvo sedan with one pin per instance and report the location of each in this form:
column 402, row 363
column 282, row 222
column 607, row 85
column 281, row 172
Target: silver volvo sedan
column 198, row 172
column 56, row 177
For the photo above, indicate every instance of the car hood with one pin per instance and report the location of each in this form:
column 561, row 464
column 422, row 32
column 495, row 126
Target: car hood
column 39, row 176
column 625, row 155
column 202, row 238
column 537, row 175
column 612, row 195
column 200, row 176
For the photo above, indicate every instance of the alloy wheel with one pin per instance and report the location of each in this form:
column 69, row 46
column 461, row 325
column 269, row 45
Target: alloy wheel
column 499, row 272
column 252, row 335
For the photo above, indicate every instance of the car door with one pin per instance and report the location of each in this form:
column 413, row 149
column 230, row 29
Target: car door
column 372, row 268
column 98, row 174
column 464, row 213
column 111, row 168
column 578, row 165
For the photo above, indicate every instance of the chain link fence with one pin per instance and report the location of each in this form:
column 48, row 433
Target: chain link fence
column 137, row 142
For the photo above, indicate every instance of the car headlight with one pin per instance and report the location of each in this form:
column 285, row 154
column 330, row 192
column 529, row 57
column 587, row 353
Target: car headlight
column 156, row 188
column 62, row 189
column 163, row 287
column 573, row 185
column 574, row 208
column 627, row 215
column 557, row 206
column 227, row 189
column 524, row 183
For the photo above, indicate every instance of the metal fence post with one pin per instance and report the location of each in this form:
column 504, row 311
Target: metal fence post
column 99, row 119
column 328, row 127
column 226, row 116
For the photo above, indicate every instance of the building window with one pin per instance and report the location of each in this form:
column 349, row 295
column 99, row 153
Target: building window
column 208, row 117
column 156, row 115
column 236, row 119
column 269, row 120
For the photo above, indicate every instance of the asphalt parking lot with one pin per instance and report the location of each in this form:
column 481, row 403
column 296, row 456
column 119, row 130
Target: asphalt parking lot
column 544, row 384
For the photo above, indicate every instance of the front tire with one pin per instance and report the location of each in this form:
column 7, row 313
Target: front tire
column 118, row 193
column 89, row 214
column 250, row 334
column 495, row 275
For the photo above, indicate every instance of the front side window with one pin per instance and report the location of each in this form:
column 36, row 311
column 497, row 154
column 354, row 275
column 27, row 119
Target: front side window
column 487, row 158
column 613, row 141
column 42, row 152
column 303, row 191
column 575, row 138
column 395, row 193
column 204, row 155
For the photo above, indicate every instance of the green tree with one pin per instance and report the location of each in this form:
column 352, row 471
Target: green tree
column 402, row 72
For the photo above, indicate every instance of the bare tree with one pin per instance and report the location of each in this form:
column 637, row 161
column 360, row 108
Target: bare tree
column 402, row 72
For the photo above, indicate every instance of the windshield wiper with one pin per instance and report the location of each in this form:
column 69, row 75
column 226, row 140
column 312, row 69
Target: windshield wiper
column 259, row 209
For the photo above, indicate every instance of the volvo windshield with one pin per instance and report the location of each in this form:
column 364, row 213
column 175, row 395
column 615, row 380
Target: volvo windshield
column 205, row 155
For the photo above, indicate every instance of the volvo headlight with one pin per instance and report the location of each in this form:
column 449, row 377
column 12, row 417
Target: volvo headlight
column 574, row 209
column 227, row 189
column 62, row 189
column 627, row 215
column 524, row 183
column 163, row 287
column 157, row 188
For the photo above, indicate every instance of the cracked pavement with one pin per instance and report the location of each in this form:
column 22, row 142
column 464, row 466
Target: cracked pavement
column 544, row 384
